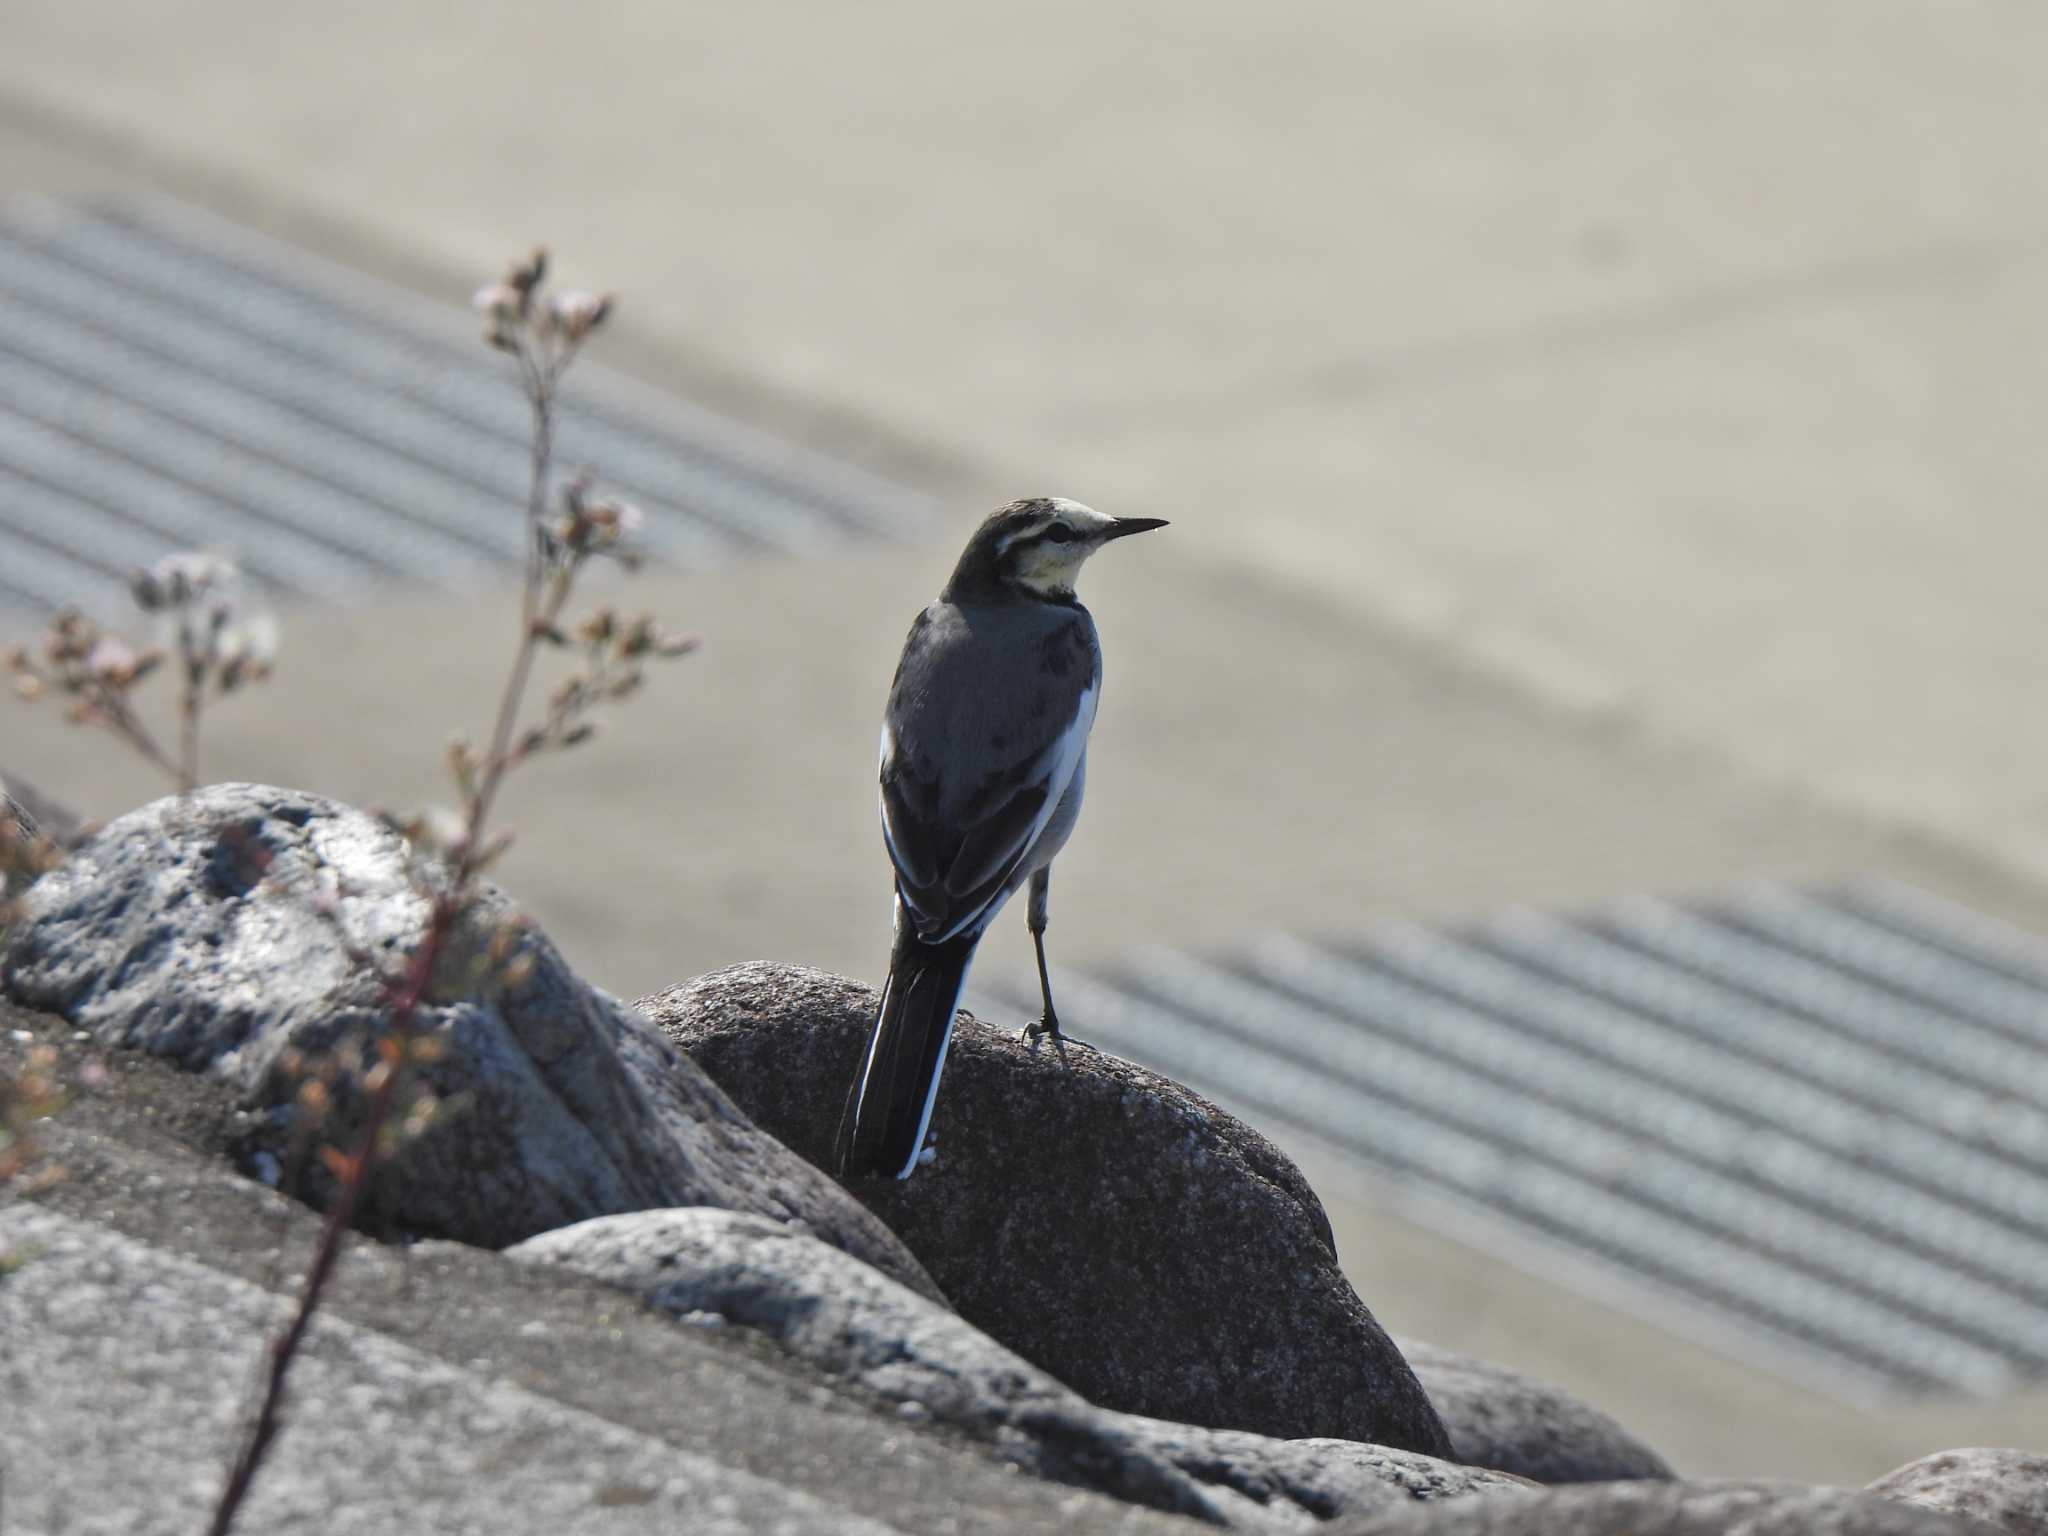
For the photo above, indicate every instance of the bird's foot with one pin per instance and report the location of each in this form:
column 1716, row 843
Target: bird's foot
column 1049, row 1028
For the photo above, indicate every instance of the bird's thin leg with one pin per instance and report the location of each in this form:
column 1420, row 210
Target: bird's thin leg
column 1049, row 1025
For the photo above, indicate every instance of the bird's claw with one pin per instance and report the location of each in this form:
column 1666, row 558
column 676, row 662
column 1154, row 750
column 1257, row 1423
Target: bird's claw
column 1049, row 1028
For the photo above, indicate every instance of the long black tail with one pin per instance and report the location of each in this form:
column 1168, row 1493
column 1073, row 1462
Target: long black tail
column 891, row 1103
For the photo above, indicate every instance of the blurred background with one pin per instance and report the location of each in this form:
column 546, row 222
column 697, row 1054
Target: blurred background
column 1607, row 506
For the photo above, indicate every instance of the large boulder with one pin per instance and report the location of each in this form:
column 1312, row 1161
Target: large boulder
column 1498, row 1418
column 231, row 931
column 1102, row 1221
column 718, row 1268
column 1667, row 1509
column 2008, row 1489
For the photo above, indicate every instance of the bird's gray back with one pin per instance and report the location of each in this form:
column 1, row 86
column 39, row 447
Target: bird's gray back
column 983, row 690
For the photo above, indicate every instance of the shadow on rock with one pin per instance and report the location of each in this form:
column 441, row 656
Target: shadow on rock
column 718, row 1268
column 1498, row 1418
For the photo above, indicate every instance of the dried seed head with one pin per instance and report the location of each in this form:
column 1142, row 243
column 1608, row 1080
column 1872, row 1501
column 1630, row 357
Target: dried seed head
column 113, row 661
column 615, row 521
column 598, row 627
column 529, row 274
column 500, row 302
column 576, row 314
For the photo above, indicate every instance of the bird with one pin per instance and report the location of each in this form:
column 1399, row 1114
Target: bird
column 984, row 754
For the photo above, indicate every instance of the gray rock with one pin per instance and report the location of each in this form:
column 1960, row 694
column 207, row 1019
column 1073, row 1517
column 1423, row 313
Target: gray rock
column 856, row 1324
column 140, row 1158
column 191, row 929
column 1512, row 1423
column 1285, row 1481
column 122, row 1388
column 1669, row 1509
column 2008, row 1489
column 1102, row 1221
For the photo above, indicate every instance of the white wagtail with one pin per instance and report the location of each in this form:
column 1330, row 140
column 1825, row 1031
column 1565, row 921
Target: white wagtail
column 984, row 752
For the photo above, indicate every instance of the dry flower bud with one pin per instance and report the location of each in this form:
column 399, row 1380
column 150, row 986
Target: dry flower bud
column 576, row 314
column 619, row 520
column 500, row 301
column 113, row 661
column 529, row 274
column 577, row 489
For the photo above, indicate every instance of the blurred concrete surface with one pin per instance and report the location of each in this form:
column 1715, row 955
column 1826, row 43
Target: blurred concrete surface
column 1599, row 443
column 1681, row 357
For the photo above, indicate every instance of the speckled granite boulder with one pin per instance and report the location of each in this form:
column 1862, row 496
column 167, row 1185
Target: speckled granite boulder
column 1513, row 1423
column 191, row 929
column 1105, row 1223
column 2008, row 1489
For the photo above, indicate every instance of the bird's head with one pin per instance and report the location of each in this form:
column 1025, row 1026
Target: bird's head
column 1037, row 547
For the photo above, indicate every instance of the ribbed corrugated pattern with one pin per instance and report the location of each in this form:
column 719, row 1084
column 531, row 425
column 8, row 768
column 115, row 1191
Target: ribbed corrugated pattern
column 171, row 382
column 1820, row 1116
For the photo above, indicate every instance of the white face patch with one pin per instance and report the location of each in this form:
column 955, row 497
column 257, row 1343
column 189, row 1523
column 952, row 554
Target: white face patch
column 1080, row 516
column 1045, row 566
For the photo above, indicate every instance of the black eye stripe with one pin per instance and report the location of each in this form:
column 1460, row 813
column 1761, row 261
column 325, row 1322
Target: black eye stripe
column 1059, row 533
